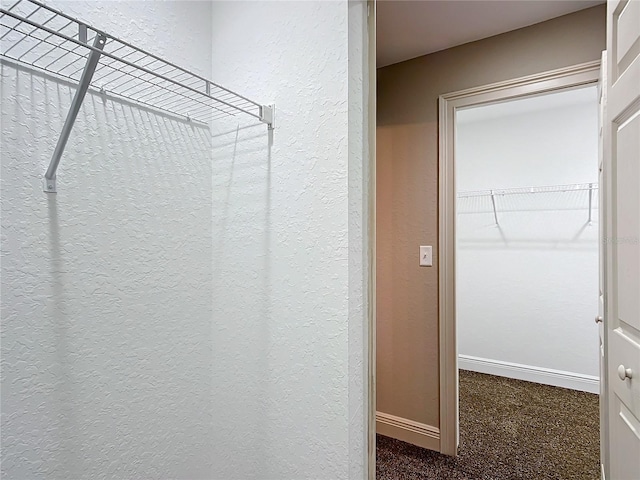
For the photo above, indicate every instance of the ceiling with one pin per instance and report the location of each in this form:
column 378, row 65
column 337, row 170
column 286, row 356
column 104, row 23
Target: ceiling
column 407, row 29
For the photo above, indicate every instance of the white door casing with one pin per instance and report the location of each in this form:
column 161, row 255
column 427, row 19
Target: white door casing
column 622, row 240
column 547, row 82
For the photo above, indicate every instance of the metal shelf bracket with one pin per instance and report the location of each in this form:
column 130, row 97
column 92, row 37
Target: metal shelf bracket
column 268, row 115
column 49, row 181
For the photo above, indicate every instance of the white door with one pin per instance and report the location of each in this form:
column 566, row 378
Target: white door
column 622, row 291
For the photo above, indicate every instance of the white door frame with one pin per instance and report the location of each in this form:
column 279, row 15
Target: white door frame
column 578, row 75
column 370, row 346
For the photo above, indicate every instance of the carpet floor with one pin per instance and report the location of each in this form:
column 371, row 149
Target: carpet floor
column 509, row 429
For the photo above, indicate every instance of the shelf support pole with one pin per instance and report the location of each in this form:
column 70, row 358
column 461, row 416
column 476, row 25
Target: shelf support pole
column 493, row 202
column 49, row 183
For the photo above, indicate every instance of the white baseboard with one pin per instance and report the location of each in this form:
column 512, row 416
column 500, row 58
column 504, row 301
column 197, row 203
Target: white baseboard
column 416, row 433
column 547, row 376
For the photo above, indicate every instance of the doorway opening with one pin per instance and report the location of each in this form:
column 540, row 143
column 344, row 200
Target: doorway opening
column 535, row 198
column 526, row 291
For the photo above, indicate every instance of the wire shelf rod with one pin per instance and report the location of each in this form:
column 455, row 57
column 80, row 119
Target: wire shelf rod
column 167, row 89
column 576, row 187
column 145, row 104
column 164, row 110
column 36, row 2
column 46, row 41
column 30, row 35
column 64, row 54
column 133, row 52
column 28, row 16
column 112, row 61
column 203, row 107
column 81, row 57
column 71, row 63
column 14, row 5
column 130, row 80
column 124, row 43
column 225, row 95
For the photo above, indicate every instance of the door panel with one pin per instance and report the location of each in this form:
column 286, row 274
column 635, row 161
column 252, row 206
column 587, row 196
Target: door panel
column 628, row 219
column 627, row 32
column 622, row 262
column 625, row 428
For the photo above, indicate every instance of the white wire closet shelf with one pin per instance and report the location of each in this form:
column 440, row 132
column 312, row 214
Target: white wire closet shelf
column 48, row 40
column 572, row 187
column 485, row 200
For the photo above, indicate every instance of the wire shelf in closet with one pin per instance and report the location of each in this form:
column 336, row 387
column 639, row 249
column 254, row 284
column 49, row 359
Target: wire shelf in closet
column 577, row 196
column 573, row 187
column 46, row 39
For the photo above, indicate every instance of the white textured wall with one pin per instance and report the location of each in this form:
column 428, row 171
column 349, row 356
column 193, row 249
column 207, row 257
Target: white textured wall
column 106, row 286
column 528, row 291
column 191, row 303
column 287, row 248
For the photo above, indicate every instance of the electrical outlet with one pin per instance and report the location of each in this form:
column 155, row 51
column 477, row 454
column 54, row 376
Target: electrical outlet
column 426, row 256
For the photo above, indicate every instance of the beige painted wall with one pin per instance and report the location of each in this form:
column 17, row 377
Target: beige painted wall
column 407, row 192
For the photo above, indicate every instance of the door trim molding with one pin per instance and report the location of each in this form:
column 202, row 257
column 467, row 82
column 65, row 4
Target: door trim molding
column 416, row 433
column 370, row 254
column 563, row 78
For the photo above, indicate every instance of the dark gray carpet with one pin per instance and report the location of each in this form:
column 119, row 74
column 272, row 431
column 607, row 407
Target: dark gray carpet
column 509, row 429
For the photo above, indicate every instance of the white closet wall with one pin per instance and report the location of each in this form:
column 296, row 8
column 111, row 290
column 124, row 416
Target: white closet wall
column 527, row 291
column 287, row 246
column 106, row 285
column 191, row 303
